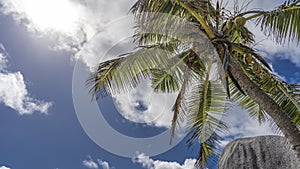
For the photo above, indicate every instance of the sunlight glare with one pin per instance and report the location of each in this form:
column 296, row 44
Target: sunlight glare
column 56, row 15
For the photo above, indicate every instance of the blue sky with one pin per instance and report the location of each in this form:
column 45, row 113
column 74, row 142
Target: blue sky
column 39, row 126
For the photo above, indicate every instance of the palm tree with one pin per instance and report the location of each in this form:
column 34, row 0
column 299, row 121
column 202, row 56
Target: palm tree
column 172, row 65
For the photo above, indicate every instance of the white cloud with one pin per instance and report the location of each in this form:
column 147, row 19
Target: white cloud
column 3, row 167
column 90, row 164
column 3, row 62
column 241, row 125
column 40, row 14
column 104, row 164
column 95, row 164
column 60, row 26
column 143, row 105
column 73, row 23
column 149, row 163
column 13, row 92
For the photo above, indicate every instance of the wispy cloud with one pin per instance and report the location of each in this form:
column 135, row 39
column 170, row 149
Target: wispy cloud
column 149, row 163
column 13, row 91
column 62, row 27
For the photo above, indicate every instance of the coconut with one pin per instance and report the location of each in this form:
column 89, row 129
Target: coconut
column 248, row 59
column 239, row 21
column 256, row 68
column 229, row 24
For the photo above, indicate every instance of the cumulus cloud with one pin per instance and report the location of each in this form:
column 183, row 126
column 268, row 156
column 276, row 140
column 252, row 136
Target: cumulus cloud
column 95, row 164
column 73, row 24
column 38, row 17
column 104, row 164
column 13, row 91
column 149, row 163
column 241, row 125
column 143, row 105
column 105, row 24
column 90, row 164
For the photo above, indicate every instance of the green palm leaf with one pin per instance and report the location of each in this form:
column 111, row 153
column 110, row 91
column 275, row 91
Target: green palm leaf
column 246, row 103
column 285, row 95
column 205, row 101
column 282, row 23
column 124, row 73
column 287, row 98
column 165, row 56
column 179, row 108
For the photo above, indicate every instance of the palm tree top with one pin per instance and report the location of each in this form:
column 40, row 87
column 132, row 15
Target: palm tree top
column 181, row 42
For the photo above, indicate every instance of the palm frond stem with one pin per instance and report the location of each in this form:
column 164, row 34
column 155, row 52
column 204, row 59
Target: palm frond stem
column 200, row 19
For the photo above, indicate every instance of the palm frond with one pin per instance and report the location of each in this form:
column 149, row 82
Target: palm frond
column 282, row 23
column 170, row 77
column 172, row 7
column 124, row 73
column 162, row 28
column 99, row 80
column 246, row 103
column 208, row 147
column 206, row 101
column 144, row 10
column 285, row 95
column 282, row 93
column 251, row 55
column 179, row 107
column 166, row 81
column 199, row 12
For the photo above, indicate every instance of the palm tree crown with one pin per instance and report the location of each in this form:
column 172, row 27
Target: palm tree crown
column 171, row 55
